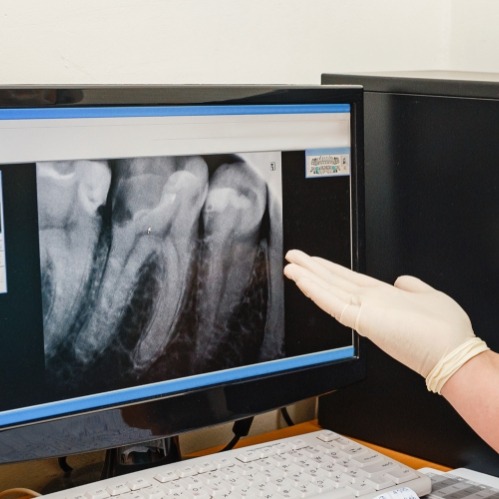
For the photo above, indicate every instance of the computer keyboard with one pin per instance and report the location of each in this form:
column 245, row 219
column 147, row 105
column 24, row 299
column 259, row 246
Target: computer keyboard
column 318, row 464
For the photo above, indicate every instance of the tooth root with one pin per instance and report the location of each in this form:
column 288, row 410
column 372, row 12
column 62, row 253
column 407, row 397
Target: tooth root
column 69, row 196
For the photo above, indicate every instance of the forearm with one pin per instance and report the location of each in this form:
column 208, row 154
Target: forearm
column 473, row 391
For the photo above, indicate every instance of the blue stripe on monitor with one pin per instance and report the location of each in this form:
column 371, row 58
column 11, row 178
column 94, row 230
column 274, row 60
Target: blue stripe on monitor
column 118, row 397
column 161, row 111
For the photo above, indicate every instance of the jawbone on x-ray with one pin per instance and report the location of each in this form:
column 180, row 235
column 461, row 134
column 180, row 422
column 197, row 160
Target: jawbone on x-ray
column 158, row 267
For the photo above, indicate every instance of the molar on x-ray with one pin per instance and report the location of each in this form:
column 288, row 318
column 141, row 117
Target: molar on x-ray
column 158, row 267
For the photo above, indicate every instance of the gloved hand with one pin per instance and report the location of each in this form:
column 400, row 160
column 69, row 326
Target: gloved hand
column 414, row 323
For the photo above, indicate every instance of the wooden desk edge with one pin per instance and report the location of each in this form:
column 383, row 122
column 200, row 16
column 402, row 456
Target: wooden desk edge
column 310, row 426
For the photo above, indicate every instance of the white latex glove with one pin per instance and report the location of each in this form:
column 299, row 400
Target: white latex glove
column 414, row 323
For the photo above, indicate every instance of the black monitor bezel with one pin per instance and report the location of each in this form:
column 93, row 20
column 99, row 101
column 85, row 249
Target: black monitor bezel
column 181, row 412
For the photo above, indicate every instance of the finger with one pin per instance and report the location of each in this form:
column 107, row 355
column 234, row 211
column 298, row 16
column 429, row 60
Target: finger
column 341, row 290
column 345, row 312
column 350, row 280
column 342, row 271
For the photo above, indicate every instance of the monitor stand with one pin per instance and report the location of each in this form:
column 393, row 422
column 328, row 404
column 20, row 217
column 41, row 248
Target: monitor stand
column 138, row 457
column 118, row 461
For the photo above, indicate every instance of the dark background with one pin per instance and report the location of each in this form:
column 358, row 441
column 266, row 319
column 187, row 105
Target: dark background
column 432, row 210
column 21, row 324
column 323, row 231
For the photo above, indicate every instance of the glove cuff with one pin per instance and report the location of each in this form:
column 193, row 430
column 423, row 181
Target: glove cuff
column 451, row 362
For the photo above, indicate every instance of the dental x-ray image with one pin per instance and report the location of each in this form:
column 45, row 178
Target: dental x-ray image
column 154, row 268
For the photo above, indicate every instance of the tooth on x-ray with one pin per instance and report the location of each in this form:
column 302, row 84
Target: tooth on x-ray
column 70, row 195
column 232, row 216
column 164, row 194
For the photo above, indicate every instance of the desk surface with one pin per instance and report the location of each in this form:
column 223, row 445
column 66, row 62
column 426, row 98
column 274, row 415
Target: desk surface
column 36, row 475
column 310, row 426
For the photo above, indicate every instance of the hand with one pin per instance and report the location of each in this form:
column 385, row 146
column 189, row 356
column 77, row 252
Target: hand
column 411, row 321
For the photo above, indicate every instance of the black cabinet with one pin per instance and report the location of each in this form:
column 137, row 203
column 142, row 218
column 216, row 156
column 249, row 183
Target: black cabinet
column 432, row 210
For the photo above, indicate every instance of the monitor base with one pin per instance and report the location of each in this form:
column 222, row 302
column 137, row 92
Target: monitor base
column 117, row 462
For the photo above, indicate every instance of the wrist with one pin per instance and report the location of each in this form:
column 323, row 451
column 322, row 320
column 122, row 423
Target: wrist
column 450, row 363
column 473, row 391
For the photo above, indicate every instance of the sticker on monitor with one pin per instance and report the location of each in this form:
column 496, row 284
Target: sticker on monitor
column 331, row 162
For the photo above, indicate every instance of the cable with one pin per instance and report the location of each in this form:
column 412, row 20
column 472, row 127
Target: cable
column 240, row 428
column 287, row 418
column 63, row 464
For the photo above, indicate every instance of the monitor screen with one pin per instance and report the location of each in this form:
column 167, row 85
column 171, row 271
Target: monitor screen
column 142, row 241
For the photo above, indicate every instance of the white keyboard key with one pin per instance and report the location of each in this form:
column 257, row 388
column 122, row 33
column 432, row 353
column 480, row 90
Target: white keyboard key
column 379, row 466
column 307, row 488
column 341, row 480
column 267, row 451
column 369, row 457
column 346, row 465
column 197, row 494
column 361, row 488
column 206, row 466
column 328, row 436
column 311, row 451
column 283, row 447
column 97, row 494
column 342, row 443
column 280, row 459
column 354, row 450
column 287, row 490
column 290, row 468
column 229, row 471
column 190, row 482
column 153, row 493
column 248, row 456
column 117, row 489
column 318, row 474
column 330, row 468
column 187, row 471
column 298, row 443
column 131, row 495
column 218, row 490
column 338, row 455
column 138, row 483
column 401, row 475
column 324, row 484
column 166, row 476
column 225, row 463
column 264, row 464
column 380, row 481
column 173, row 488
column 270, row 492
column 342, row 493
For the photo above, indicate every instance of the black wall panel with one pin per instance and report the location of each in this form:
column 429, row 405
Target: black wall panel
column 432, row 210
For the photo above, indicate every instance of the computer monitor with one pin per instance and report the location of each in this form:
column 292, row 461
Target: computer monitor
column 141, row 252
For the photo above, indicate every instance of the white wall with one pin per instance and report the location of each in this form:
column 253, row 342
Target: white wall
column 239, row 41
column 215, row 41
column 474, row 35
